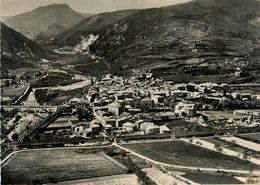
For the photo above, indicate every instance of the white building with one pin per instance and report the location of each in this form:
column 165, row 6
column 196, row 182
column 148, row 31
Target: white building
column 185, row 109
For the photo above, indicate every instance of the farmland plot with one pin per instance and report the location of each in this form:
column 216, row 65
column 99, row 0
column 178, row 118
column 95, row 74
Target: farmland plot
column 54, row 165
column 186, row 154
column 255, row 137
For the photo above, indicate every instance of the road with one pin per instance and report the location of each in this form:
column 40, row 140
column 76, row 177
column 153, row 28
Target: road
column 185, row 167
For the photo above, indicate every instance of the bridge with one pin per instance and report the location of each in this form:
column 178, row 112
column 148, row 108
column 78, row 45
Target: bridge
column 41, row 126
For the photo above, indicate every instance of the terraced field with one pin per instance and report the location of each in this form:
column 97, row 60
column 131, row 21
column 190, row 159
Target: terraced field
column 44, row 166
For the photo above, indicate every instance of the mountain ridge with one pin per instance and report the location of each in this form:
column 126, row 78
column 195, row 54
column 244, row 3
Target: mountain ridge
column 31, row 23
column 18, row 51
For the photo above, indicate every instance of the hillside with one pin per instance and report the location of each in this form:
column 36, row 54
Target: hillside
column 207, row 33
column 18, row 51
column 196, row 28
column 177, row 42
column 89, row 25
column 33, row 24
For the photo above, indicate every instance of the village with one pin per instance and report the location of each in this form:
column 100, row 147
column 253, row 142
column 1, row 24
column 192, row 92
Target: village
column 142, row 105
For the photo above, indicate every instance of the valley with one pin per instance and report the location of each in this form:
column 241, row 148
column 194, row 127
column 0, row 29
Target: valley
column 137, row 96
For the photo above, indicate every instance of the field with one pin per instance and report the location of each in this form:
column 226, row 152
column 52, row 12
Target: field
column 126, row 179
column 13, row 91
column 185, row 154
column 251, row 137
column 206, row 178
column 43, row 166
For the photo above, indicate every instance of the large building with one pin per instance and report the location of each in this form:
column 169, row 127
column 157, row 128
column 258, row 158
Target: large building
column 185, row 109
column 115, row 108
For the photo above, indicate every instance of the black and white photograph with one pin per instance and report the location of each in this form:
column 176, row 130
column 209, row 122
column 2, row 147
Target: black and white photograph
column 130, row 92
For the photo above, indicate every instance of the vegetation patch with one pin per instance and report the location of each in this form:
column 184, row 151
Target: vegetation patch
column 185, row 154
column 55, row 79
column 56, row 97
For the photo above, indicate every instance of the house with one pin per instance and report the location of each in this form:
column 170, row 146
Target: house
column 241, row 96
column 157, row 99
column 85, row 133
column 110, row 121
column 164, row 129
column 166, row 115
column 129, row 127
column 137, row 123
column 81, row 104
column 83, row 129
column 146, row 103
column 246, row 96
column 149, row 128
column 185, row 109
column 152, row 130
column 115, row 108
column 95, row 127
column 81, row 126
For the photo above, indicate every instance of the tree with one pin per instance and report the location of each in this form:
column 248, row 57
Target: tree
column 7, row 83
column 218, row 148
column 190, row 88
column 246, row 156
column 15, row 136
column 233, row 142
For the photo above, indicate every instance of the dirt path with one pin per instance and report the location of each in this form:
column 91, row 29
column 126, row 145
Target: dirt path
column 31, row 101
column 243, row 143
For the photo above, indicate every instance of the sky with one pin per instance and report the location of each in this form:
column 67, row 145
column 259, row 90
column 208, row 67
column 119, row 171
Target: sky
column 14, row 7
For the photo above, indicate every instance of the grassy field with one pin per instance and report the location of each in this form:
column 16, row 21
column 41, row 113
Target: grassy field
column 43, row 166
column 185, row 154
column 13, row 91
column 206, row 178
column 251, row 137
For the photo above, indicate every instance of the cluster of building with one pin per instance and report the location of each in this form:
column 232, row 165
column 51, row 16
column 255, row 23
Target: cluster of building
column 141, row 104
column 132, row 105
